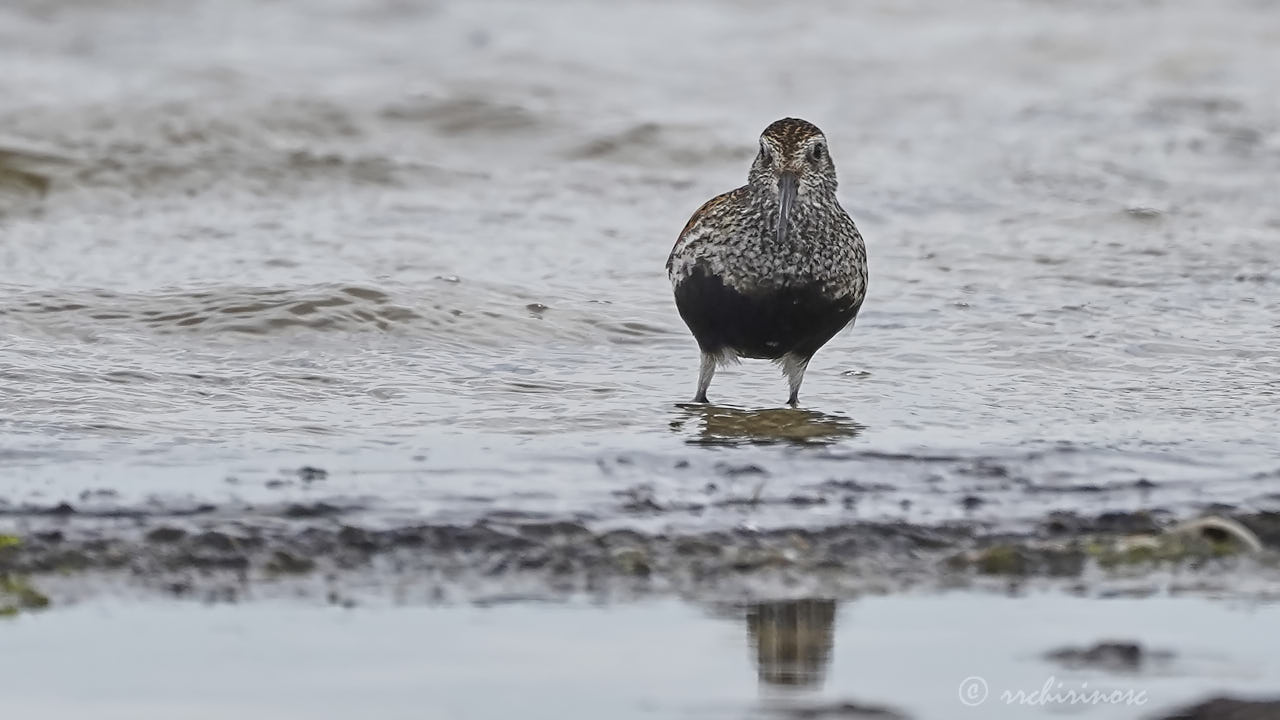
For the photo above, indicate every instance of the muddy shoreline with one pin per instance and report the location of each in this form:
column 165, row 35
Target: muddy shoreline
column 323, row 551
column 779, row 582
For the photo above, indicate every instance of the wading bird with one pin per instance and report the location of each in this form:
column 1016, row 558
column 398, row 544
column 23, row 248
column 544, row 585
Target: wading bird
column 774, row 269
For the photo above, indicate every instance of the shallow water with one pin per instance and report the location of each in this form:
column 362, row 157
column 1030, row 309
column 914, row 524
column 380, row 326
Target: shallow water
column 911, row 654
column 420, row 245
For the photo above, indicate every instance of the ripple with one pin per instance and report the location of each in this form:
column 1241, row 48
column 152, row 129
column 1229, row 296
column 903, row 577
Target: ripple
column 251, row 311
column 466, row 115
column 661, row 145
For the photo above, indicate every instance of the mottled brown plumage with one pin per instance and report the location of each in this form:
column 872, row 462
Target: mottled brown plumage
column 776, row 268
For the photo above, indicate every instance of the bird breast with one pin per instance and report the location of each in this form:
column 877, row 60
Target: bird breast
column 747, row 257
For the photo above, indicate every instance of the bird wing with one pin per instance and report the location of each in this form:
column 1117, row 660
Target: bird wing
column 709, row 209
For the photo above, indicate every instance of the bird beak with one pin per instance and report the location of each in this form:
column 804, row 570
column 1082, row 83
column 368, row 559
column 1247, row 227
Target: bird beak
column 788, row 185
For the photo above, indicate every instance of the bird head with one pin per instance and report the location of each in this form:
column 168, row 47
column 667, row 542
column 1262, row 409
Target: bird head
column 793, row 166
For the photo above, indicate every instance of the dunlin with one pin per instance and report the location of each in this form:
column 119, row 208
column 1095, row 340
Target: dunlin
column 774, row 269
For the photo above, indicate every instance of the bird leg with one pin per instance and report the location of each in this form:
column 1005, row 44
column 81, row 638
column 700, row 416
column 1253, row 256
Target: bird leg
column 793, row 366
column 705, row 370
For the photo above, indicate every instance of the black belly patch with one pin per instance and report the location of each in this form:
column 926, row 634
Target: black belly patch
column 767, row 324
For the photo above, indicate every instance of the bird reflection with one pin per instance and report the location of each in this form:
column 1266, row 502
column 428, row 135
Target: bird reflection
column 716, row 425
column 792, row 641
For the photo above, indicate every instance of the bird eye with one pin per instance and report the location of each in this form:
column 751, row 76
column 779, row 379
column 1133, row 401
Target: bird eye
column 818, row 151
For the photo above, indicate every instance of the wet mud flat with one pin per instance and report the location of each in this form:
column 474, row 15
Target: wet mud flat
column 340, row 554
column 321, row 609
column 316, row 608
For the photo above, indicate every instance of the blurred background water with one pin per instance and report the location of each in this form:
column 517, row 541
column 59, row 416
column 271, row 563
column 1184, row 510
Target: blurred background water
column 421, row 245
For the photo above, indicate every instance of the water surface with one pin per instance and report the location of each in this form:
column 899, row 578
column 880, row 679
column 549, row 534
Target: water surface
column 421, row 246
column 908, row 654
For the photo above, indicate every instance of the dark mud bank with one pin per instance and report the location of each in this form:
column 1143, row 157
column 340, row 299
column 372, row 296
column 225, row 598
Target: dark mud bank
column 315, row 551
